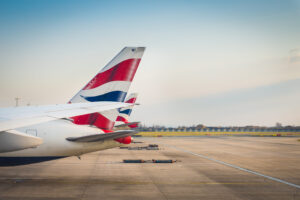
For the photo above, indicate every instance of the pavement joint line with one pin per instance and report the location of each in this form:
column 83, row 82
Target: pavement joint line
column 236, row 167
column 87, row 183
column 146, row 183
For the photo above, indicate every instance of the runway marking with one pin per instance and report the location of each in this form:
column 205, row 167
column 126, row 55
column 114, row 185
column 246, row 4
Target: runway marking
column 236, row 167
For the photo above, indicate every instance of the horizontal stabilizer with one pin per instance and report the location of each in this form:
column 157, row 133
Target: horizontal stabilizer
column 12, row 118
column 127, row 124
column 14, row 141
column 102, row 137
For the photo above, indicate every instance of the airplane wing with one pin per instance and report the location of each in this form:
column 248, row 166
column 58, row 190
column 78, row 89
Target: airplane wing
column 104, row 136
column 127, row 124
column 12, row 118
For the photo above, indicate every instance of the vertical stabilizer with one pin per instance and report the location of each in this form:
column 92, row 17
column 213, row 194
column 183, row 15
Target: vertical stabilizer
column 110, row 84
column 113, row 81
column 124, row 113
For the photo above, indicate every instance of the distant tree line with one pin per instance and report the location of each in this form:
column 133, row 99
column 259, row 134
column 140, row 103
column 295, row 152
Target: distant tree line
column 202, row 128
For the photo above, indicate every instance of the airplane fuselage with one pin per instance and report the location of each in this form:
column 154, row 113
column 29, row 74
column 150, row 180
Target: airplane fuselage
column 54, row 144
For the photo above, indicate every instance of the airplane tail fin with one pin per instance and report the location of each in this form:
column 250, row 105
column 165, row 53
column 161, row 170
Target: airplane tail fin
column 124, row 113
column 113, row 81
column 110, row 84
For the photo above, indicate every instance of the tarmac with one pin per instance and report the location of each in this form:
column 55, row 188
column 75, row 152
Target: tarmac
column 206, row 168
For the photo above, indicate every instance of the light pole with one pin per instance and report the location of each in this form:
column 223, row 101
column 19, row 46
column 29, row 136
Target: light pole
column 17, row 101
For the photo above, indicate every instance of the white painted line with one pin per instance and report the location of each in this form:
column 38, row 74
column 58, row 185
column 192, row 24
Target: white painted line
column 237, row 167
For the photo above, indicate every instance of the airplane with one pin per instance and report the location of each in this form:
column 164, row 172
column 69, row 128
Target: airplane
column 124, row 113
column 83, row 125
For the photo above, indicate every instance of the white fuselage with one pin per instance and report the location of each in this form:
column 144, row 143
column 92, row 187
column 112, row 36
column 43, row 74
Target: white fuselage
column 54, row 144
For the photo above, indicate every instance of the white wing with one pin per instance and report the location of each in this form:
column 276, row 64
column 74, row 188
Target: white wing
column 104, row 136
column 12, row 118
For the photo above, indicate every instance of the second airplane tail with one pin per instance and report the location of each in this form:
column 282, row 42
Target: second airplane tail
column 124, row 113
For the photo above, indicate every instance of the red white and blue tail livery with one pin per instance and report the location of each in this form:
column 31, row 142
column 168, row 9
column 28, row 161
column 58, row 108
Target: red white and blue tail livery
column 124, row 113
column 113, row 81
column 110, row 84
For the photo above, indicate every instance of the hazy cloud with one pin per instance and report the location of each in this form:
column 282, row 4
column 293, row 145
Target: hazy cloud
column 294, row 56
column 262, row 105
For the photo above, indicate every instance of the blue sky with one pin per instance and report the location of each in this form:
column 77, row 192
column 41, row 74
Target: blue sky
column 197, row 51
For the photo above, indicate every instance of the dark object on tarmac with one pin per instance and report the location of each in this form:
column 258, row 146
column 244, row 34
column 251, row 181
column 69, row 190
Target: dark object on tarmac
column 149, row 161
column 163, row 161
column 133, row 161
column 152, row 148
column 149, row 147
column 153, row 145
column 136, row 148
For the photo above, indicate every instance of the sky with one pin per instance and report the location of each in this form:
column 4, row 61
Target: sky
column 218, row 63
